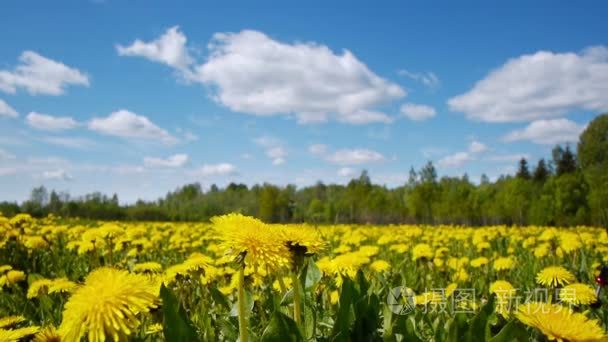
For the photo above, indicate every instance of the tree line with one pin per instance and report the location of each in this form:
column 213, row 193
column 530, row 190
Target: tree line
column 569, row 188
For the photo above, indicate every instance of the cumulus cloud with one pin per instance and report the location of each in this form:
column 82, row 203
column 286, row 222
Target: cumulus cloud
column 58, row 174
column 455, row 160
column 274, row 149
column 547, row 132
column 347, row 172
column 7, row 171
column 174, row 161
column 169, row 49
column 508, row 158
column 50, row 123
column 252, row 73
column 354, row 157
column 460, row 158
column 40, row 75
column 222, row 169
column 538, row 86
column 126, row 124
column 7, row 111
column 317, row 149
column 429, row 79
column 70, row 142
column 4, row 155
column 477, row 147
column 417, row 112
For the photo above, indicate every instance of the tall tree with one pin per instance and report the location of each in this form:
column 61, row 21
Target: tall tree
column 522, row 171
column 541, row 172
column 593, row 157
column 567, row 162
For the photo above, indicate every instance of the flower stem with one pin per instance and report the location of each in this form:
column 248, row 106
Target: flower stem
column 243, row 333
column 297, row 300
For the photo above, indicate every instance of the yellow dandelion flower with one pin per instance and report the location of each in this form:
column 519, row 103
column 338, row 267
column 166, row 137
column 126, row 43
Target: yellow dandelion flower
column 301, row 236
column 478, row 262
column 259, row 244
column 5, row 268
column 107, row 305
column 147, row 267
column 17, row 334
column 62, row 285
column 13, row 277
column 422, row 251
column 48, row 334
column 276, row 285
column 380, row 266
column 542, row 250
column 334, row 297
column 449, row 290
column 578, row 294
column 154, row 329
column 560, row 323
column 34, row 242
column 10, row 321
column 503, row 263
column 500, row 287
column 554, row 276
column 38, row 287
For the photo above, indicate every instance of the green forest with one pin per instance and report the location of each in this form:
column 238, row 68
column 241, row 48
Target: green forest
column 568, row 188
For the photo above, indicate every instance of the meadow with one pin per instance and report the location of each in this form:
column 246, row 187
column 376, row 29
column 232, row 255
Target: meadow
column 237, row 278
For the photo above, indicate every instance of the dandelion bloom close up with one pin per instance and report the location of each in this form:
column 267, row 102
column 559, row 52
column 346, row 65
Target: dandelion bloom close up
column 554, row 276
column 107, row 305
column 560, row 323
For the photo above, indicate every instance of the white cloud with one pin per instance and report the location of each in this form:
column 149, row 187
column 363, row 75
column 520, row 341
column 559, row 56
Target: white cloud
column 7, row 171
column 176, row 160
column 417, row 112
column 363, row 116
column 70, row 142
column 40, row 75
column 354, row 157
column 429, row 79
column 169, row 49
column 221, row 169
column 126, row 124
column 537, row 86
column 477, row 147
column 454, row 160
column 251, row 73
column 347, row 172
column 7, row 111
column 508, row 158
column 4, row 155
column 317, row 149
column 547, row 132
column 58, row 174
column 50, row 123
column 274, row 149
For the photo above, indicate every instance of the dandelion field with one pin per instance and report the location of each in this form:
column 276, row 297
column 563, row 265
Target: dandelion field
column 237, row 278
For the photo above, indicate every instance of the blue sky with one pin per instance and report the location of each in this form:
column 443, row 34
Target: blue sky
column 139, row 98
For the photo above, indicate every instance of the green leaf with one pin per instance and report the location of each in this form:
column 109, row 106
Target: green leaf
column 313, row 275
column 281, row 328
column 345, row 315
column 219, row 298
column 248, row 304
column 479, row 325
column 513, row 331
column 176, row 324
column 287, row 298
column 458, row 328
